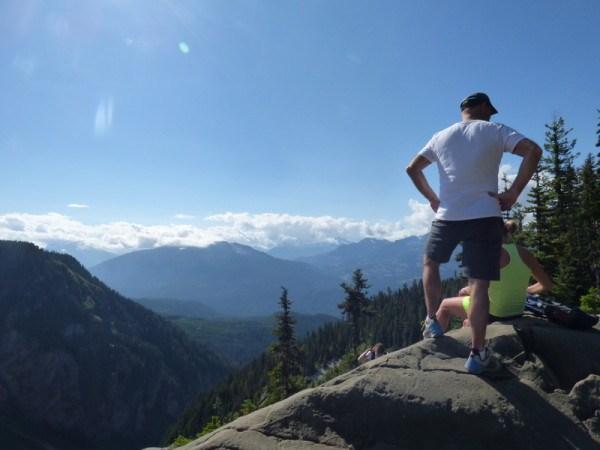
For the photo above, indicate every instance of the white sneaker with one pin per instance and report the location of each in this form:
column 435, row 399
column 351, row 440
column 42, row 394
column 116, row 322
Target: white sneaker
column 478, row 361
column 432, row 329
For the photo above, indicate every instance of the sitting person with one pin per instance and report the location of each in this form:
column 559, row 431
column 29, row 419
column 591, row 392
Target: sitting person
column 370, row 354
column 507, row 296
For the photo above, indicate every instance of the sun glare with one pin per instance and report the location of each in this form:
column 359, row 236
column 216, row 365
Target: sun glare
column 184, row 48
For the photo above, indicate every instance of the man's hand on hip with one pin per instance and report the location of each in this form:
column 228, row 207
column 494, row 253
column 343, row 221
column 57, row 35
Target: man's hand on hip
column 506, row 199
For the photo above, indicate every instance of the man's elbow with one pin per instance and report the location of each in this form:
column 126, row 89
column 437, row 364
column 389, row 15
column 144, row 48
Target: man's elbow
column 410, row 170
column 529, row 150
column 537, row 152
column 534, row 151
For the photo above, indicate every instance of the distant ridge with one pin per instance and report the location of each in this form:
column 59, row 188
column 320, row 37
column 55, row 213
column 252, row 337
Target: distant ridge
column 384, row 263
column 298, row 251
column 87, row 256
column 237, row 280
column 176, row 307
column 231, row 279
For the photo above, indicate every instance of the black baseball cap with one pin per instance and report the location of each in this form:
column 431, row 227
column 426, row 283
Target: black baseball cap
column 476, row 99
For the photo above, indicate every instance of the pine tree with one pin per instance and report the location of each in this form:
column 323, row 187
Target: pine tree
column 598, row 133
column 356, row 305
column 537, row 234
column 572, row 269
column 596, row 209
column 284, row 375
column 559, row 161
column 588, row 223
column 562, row 203
column 248, row 406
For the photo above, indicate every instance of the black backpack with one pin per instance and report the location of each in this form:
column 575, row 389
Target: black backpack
column 568, row 316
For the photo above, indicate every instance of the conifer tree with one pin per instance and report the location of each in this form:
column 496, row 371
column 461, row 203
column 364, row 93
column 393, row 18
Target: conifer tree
column 537, row 234
column 572, row 268
column 596, row 208
column 559, row 163
column 598, row 133
column 356, row 305
column 562, row 201
column 588, row 222
column 284, row 375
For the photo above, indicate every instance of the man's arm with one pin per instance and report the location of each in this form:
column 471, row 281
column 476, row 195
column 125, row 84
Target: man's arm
column 415, row 172
column 531, row 154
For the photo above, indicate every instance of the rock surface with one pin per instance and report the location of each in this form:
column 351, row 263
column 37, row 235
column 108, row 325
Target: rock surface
column 543, row 394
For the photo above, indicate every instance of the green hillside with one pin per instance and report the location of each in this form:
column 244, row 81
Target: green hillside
column 240, row 340
column 80, row 362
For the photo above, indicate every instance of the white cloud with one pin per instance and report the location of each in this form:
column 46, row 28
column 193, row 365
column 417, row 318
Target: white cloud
column 506, row 170
column 269, row 229
column 511, row 174
column 418, row 222
column 104, row 116
column 262, row 231
column 77, row 206
column 184, row 217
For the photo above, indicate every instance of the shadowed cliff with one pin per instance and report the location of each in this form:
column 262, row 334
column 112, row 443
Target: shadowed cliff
column 82, row 367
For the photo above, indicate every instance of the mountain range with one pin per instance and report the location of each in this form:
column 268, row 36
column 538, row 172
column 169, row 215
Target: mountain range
column 87, row 256
column 386, row 264
column 237, row 280
column 231, row 279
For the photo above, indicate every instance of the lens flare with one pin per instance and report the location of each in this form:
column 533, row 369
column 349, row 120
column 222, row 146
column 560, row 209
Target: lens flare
column 184, row 48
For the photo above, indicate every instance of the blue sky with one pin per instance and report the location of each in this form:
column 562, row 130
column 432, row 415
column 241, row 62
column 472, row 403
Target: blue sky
column 160, row 113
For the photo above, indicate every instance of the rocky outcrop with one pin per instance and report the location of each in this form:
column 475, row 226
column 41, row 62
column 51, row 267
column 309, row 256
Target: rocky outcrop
column 544, row 393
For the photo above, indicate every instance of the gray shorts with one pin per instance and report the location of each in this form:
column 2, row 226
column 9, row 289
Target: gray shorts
column 481, row 240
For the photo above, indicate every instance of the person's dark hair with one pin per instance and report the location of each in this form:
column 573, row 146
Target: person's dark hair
column 477, row 99
column 510, row 227
column 378, row 349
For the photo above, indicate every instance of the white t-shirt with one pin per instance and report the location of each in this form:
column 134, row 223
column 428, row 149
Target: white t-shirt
column 468, row 156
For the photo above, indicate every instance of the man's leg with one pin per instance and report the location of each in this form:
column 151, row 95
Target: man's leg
column 432, row 284
column 442, row 241
column 479, row 311
column 481, row 258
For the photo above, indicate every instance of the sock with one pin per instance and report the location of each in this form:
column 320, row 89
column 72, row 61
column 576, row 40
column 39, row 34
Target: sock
column 481, row 353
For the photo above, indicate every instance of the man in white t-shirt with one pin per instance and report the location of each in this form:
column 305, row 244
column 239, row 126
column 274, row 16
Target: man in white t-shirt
column 468, row 208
